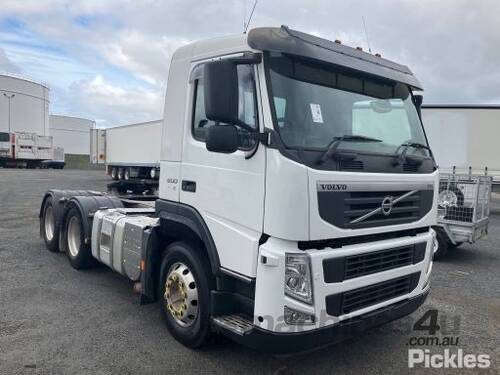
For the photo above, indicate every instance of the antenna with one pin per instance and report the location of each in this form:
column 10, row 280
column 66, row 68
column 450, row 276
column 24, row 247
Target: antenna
column 250, row 18
column 244, row 15
column 366, row 35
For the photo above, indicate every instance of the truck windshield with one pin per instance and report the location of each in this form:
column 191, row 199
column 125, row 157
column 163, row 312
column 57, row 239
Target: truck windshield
column 316, row 103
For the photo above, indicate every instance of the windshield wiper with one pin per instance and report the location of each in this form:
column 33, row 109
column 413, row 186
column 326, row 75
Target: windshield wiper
column 405, row 146
column 332, row 147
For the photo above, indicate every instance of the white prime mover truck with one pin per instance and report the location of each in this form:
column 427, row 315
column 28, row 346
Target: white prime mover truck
column 285, row 220
column 129, row 151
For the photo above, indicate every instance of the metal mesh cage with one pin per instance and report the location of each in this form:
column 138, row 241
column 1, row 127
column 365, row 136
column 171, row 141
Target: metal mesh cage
column 464, row 197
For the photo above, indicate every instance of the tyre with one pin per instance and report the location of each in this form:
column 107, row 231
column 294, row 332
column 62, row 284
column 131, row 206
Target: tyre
column 454, row 245
column 454, row 193
column 442, row 245
column 185, row 283
column 49, row 230
column 114, row 173
column 126, row 174
column 120, row 174
column 79, row 253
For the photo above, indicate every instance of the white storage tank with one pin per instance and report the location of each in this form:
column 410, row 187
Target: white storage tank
column 24, row 105
column 71, row 133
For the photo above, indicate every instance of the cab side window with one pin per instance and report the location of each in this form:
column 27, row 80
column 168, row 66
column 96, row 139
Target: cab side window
column 247, row 111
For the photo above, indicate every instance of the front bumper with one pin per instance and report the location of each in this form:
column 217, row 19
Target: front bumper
column 333, row 298
column 280, row 343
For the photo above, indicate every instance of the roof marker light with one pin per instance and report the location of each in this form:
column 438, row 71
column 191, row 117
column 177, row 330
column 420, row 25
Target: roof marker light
column 338, row 41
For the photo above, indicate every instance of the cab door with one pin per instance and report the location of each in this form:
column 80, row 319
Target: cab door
column 226, row 189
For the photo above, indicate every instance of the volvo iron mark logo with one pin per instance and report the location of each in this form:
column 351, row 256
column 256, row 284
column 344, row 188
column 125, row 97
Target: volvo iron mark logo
column 332, row 187
column 386, row 206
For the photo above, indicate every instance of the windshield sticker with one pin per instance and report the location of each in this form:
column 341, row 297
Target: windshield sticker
column 316, row 113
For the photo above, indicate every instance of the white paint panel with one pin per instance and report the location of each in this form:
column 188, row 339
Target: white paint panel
column 464, row 137
column 287, row 200
column 136, row 144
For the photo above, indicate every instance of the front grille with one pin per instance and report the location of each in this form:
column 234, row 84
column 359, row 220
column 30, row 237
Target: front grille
column 346, row 209
column 379, row 261
column 357, row 299
column 344, row 268
column 362, row 203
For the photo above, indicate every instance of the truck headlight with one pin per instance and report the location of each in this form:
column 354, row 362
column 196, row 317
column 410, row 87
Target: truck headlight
column 447, row 198
column 298, row 282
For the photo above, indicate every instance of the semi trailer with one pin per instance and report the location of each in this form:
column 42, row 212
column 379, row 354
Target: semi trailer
column 26, row 150
column 464, row 136
column 296, row 202
column 128, row 151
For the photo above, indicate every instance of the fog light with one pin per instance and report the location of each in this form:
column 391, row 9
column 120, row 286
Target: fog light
column 295, row 317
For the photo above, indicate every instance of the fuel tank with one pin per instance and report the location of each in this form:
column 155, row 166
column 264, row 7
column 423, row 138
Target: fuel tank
column 117, row 238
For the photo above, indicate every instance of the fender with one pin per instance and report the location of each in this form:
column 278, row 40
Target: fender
column 59, row 199
column 87, row 205
column 179, row 213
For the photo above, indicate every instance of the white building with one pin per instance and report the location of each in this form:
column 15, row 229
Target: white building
column 71, row 133
column 24, row 105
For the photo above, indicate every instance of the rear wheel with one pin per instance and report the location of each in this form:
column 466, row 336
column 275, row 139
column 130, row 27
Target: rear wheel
column 114, row 173
column 185, row 285
column 120, row 173
column 126, row 174
column 50, row 232
column 79, row 253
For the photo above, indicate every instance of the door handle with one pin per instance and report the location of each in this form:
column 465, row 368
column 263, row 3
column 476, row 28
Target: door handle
column 189, row 186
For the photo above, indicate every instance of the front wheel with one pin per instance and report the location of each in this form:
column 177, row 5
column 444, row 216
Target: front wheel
column 185, row 285
column 79, row 253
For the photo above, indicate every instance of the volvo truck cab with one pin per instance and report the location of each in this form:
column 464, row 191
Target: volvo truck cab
column 297, row 195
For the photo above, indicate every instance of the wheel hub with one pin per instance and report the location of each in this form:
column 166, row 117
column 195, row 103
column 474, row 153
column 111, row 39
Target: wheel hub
column 181, row 295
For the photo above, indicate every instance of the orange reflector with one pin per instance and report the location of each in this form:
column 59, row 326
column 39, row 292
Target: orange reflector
column 143, row 265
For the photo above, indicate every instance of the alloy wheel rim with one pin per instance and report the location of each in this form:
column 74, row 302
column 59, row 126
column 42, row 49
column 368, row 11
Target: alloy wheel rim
column 49, row 223
column 181, row 295
column 74, row 236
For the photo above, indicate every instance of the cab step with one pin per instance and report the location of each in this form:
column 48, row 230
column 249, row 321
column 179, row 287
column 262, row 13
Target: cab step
column 237, row 323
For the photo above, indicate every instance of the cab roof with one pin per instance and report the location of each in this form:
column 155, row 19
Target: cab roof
column 286, row 40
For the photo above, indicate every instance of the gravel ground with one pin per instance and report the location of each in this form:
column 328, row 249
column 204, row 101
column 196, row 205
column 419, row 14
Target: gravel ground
column 54, row 319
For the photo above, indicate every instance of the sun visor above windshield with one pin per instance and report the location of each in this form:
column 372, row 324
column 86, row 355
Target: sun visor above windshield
column 293, row 42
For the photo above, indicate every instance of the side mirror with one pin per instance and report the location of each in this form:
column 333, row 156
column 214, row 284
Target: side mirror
column 222, row 138
column 418, row 103
column 221, row 91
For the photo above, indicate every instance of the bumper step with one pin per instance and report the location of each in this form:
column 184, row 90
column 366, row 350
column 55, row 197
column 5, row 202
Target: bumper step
column 236, row 323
